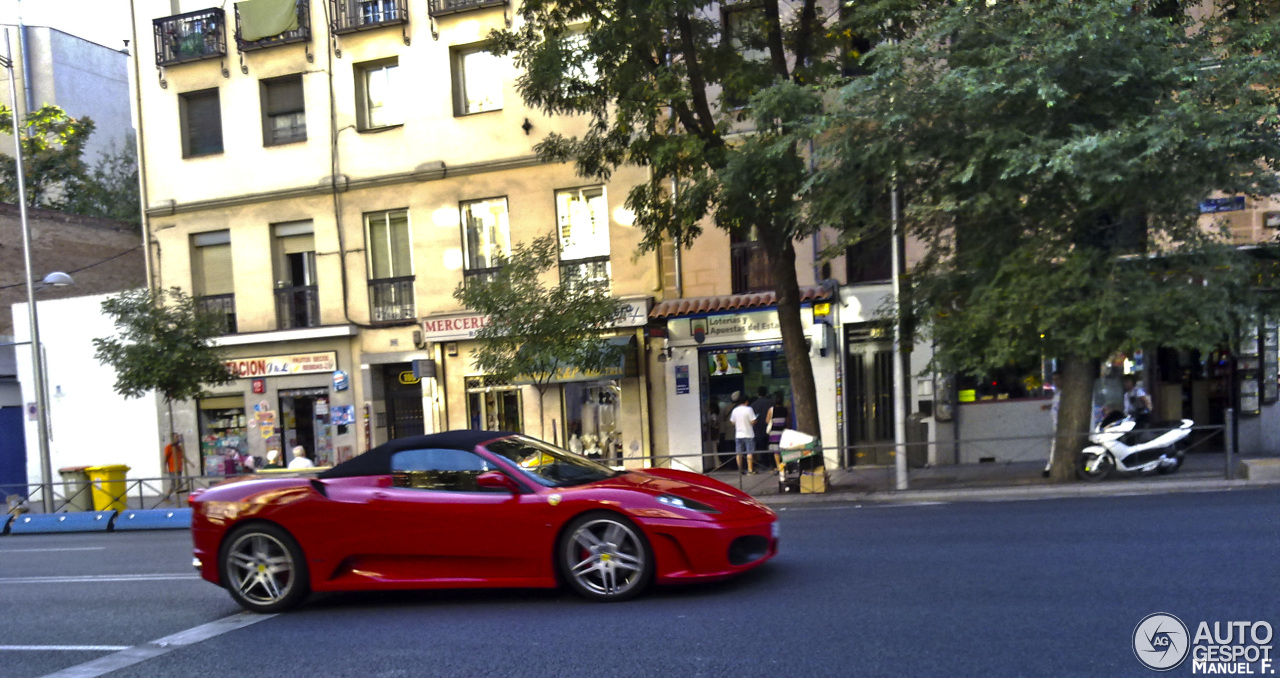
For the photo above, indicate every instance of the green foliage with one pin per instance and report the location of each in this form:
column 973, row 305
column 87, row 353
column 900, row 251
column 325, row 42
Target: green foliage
column 51, row 156
column 163, row 345
column 110, row 188
column 535, row 329
column 1052, row 155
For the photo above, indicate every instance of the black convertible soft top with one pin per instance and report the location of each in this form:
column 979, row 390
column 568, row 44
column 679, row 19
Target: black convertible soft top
column 377, row 462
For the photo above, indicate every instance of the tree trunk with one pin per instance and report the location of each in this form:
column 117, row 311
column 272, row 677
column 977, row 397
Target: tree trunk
column 782, row 262
column 1075, row 414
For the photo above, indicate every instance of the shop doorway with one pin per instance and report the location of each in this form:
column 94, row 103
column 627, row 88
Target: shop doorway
column 304, row 420
column 869, row 393
column 744, row 369
column 403, row 394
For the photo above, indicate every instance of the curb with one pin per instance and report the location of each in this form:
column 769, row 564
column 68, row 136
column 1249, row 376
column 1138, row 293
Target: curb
column 1118, row 488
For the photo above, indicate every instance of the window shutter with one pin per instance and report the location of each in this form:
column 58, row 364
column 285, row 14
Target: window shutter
column 215, row 270
column 297, row 244
column 284, row 96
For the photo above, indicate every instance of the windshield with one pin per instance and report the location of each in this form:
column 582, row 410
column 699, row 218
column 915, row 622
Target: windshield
column 549, row 465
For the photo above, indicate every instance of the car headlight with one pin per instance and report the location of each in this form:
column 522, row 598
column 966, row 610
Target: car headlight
column 681, row 502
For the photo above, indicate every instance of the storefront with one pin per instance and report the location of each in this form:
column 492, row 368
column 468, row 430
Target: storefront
column 712, row 355
column 278, row 401
column 603, row 415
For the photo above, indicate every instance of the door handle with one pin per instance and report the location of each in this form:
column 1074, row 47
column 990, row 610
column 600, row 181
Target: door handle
column 380, row 495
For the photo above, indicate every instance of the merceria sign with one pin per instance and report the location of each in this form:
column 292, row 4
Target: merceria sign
column 283, row 365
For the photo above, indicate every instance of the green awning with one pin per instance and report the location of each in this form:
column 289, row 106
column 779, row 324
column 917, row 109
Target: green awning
column 266, row 18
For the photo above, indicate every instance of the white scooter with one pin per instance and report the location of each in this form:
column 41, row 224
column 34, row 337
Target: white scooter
column 1120, row 448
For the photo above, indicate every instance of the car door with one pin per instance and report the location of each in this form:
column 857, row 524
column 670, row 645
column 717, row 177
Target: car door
column 441, row 526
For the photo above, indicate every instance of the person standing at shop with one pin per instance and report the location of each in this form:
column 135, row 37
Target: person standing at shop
column 761, row 406
column 779, row 417
column 727, row 434
column 1137, row 404
column 300, row 459
column 744, row 421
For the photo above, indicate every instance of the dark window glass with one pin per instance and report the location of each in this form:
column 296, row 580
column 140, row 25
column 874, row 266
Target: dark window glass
column 201, row 123
column 438, row 469
column 548, row 465
column 284, row 113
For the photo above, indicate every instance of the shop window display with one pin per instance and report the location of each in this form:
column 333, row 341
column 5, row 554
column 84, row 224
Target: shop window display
column 493, row 407
column 592, row 426
column 222, row 437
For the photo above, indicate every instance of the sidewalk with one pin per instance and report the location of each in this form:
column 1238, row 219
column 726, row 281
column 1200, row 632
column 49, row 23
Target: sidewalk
column 988, row 482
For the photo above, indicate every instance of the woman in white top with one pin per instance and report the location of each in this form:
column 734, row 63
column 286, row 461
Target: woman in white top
column 300, row 459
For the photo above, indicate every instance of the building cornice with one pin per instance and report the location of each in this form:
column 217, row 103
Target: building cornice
column 435, row 171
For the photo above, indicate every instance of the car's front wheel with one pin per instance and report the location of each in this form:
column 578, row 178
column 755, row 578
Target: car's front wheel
column 263, row 568
column 606, row 557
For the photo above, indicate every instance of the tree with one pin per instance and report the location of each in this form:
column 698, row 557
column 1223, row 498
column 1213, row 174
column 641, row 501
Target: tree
column 163, row 345
column 1052, row 155
column 52, row 146
column 110, row 187
column 717, row 109
column 536, row 330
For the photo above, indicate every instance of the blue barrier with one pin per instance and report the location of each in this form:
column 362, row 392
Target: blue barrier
column 46, row 523
column 4, row 524
column 153, row 519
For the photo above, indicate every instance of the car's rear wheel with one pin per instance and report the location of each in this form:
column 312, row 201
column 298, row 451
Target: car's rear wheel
column 606, row 557
column 263, row 568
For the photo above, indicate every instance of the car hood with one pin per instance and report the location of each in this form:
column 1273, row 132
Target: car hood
column 732, row 503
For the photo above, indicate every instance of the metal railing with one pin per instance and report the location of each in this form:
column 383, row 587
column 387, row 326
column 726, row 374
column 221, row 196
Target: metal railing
column 194, row 36
column 349, row 16
column 300, row 34
column 391, row 299
column 297, row 306
column 446, row 7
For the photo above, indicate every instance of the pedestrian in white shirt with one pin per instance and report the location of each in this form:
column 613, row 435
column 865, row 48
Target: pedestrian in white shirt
column 300, row 459
column 744, row 419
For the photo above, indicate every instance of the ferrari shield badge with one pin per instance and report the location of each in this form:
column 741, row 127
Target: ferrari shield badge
column 554, row 500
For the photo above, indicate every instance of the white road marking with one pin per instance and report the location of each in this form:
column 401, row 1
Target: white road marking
column 86, row 579
column 54, row 550
column 847, row 507
column 140, row 653
column 63, row 648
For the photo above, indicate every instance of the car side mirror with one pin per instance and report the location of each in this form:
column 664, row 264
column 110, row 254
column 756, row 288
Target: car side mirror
column 496, row 480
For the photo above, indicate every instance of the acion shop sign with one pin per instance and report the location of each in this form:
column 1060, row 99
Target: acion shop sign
column 283, row 365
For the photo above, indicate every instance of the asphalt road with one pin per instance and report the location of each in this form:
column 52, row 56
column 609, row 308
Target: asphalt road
column 1050, row 587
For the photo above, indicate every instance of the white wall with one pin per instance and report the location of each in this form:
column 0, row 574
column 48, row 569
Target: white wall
column 90, row 424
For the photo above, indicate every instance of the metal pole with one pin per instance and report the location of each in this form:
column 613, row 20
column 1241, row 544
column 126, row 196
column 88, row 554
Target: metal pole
column 899, row 376
column 42, row 414
column 1229, row 438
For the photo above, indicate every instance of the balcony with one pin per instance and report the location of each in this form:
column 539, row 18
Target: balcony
column 301, row 34
column 391, row 299
column 586, row 272
column 749, row 268
column 223, row 308
column 297, row 306
column 447, row 7
column 194, row 36
column 350, row 16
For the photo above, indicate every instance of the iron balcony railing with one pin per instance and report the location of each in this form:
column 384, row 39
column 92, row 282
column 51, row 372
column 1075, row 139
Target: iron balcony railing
column 391, row 299
column 446, row 7
column 349, row 16
column 194, row 36
column 749, row 268
column 223, row 307
column 593, row 271
column 301, row 34
column 297, row 306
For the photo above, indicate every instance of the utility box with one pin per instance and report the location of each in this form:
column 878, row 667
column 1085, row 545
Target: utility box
column 917, row 441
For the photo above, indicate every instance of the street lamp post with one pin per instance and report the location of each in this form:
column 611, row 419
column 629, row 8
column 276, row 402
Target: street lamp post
column 37, row 360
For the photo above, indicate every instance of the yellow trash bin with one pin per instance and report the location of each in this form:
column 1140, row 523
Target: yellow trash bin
column 108, row 486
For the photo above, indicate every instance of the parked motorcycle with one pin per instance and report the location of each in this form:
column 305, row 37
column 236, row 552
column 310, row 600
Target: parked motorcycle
column 1119, row 447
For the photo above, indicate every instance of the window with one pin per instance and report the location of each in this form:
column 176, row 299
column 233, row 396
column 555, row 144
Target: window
column 390, row 265
column 1023, row 379
column 438, row 469
column 297, row 298
column 378, row 11
column 486, row 235
column 492, row 407
column 212, row 277
column 748, row 264
column 284, row 118
column 582, row 224
column 870, row 260
column 201, row 120
column 379, row 95
column 477, row 81
column 744, row 28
